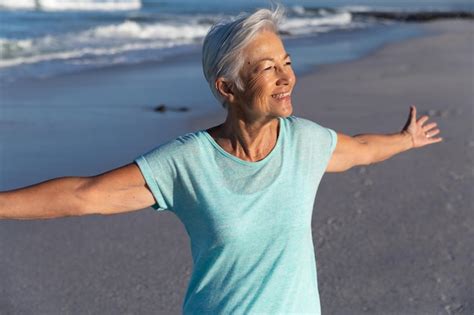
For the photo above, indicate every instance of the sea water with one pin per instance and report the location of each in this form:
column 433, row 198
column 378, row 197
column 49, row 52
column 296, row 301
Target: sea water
column 43, row 38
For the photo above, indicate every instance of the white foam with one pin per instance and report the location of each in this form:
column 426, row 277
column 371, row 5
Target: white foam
column 134, row 30
column 18, row 4
column 10, row 48
column 298, row 9
column 316, row 24
column 127, row 36
column 66, row 5
column 101, row 40
column 89, row 5
column 78, row 53
column 357, row 8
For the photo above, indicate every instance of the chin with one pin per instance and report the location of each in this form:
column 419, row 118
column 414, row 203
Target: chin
column 285, row 110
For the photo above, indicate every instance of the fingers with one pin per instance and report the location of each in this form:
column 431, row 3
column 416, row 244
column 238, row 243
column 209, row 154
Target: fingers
column 413, row 113
column 423, row 119
column 435, row 140
column 428, row 131
column 432, row 133
column 429, row 126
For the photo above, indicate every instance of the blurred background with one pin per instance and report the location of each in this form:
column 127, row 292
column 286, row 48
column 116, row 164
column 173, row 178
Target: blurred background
column 49, row 37
column 72, row 71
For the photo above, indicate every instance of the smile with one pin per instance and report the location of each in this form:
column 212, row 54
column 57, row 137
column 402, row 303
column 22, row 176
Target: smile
column 281, row 95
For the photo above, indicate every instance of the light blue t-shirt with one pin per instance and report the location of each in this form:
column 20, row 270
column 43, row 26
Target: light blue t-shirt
column 249, row 222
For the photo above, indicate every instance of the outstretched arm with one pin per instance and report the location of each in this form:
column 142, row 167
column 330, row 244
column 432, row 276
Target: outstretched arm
column 119, row 190
column 52, row 198
column 365, row 149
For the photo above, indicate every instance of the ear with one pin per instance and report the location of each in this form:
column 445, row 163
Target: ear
column 225, row 90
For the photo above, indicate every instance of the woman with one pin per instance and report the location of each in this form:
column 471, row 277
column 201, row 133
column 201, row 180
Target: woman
column 245, row 189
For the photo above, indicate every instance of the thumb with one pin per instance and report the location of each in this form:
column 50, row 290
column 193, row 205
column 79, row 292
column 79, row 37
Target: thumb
column 413, row 113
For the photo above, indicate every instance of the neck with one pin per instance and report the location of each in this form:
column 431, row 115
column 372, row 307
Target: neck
column 247, row 139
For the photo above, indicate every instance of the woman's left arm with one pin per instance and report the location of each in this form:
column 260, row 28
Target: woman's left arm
column 367, row 149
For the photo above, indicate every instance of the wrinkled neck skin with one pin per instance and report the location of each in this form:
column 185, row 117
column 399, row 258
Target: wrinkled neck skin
column 246, row 137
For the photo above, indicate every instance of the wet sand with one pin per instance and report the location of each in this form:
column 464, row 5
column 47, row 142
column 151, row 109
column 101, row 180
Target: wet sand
column 390, row 238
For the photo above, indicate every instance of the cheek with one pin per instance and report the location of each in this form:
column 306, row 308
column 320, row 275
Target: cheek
column 257, row 89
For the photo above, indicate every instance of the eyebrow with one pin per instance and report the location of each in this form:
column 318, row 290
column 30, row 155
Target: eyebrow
column 271, row 59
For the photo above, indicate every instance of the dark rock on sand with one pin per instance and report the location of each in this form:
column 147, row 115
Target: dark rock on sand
column 163, row 108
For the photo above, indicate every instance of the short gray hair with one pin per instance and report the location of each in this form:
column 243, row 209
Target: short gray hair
column 223, row 45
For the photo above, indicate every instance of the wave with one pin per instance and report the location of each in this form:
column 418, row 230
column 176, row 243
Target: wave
column 71, row 5
column 298, row 26
column 143, row 35
column 134, row 30
column 393, row 14
column 73, row 55
column 133, row 36
column 18, row 4
column 415, row 16
column 102, row 40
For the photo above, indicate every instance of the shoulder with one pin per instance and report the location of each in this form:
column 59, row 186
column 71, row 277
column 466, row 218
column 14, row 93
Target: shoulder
column 183, row 146
column 310, row 132
column 305, row 126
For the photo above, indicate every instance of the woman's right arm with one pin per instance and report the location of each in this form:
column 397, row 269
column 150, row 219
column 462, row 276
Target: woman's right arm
column 119, row 190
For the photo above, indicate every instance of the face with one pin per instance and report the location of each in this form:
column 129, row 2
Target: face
column 268, row 78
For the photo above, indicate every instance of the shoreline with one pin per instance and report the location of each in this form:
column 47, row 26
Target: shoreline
column 431, row 29
column 390, row 238
column 191, row 54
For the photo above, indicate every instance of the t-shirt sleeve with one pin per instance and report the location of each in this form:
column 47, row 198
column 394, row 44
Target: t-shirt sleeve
column 333, row 135
column 158, row 170
column 316, row 143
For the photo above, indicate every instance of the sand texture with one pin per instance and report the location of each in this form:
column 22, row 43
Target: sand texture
column 397, row 237
column 390, row 238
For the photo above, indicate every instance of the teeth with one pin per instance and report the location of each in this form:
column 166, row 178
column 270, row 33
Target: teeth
column 281, row 95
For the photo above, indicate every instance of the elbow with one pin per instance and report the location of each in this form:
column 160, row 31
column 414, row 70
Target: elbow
column 365, row 152
column 90, row 199
column 366, row 158
column 83, row 198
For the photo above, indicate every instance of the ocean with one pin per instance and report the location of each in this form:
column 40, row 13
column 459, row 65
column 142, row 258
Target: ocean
column 44, row 38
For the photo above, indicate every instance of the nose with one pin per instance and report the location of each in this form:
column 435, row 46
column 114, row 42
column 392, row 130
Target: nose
column 284, row 76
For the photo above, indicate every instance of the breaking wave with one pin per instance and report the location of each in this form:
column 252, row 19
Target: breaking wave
column 75, row 5
column 133, row 36
column 142, row 36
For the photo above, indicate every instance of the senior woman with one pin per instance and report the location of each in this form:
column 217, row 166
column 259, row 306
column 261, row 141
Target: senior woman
column 244, row 189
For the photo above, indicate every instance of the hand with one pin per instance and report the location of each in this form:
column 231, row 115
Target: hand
column 420, row 135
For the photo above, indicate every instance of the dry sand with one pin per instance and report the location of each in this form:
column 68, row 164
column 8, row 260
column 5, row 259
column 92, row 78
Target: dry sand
column 398, row 237
column 391, row 238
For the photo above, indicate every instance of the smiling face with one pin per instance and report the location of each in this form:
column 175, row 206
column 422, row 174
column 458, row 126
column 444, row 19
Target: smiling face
column 267, row 77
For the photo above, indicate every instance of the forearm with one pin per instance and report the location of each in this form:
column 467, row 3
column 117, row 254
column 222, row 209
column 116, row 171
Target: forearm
column 50, row 199
column 383, row 146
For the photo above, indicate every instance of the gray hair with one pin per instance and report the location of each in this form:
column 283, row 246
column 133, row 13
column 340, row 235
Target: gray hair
column 225, row 41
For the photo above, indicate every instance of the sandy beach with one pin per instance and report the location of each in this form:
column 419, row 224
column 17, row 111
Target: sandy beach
column 390, row 238
column 396, row 237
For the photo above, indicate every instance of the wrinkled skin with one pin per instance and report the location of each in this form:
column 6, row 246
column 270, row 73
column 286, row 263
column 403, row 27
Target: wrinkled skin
column 251, row 127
